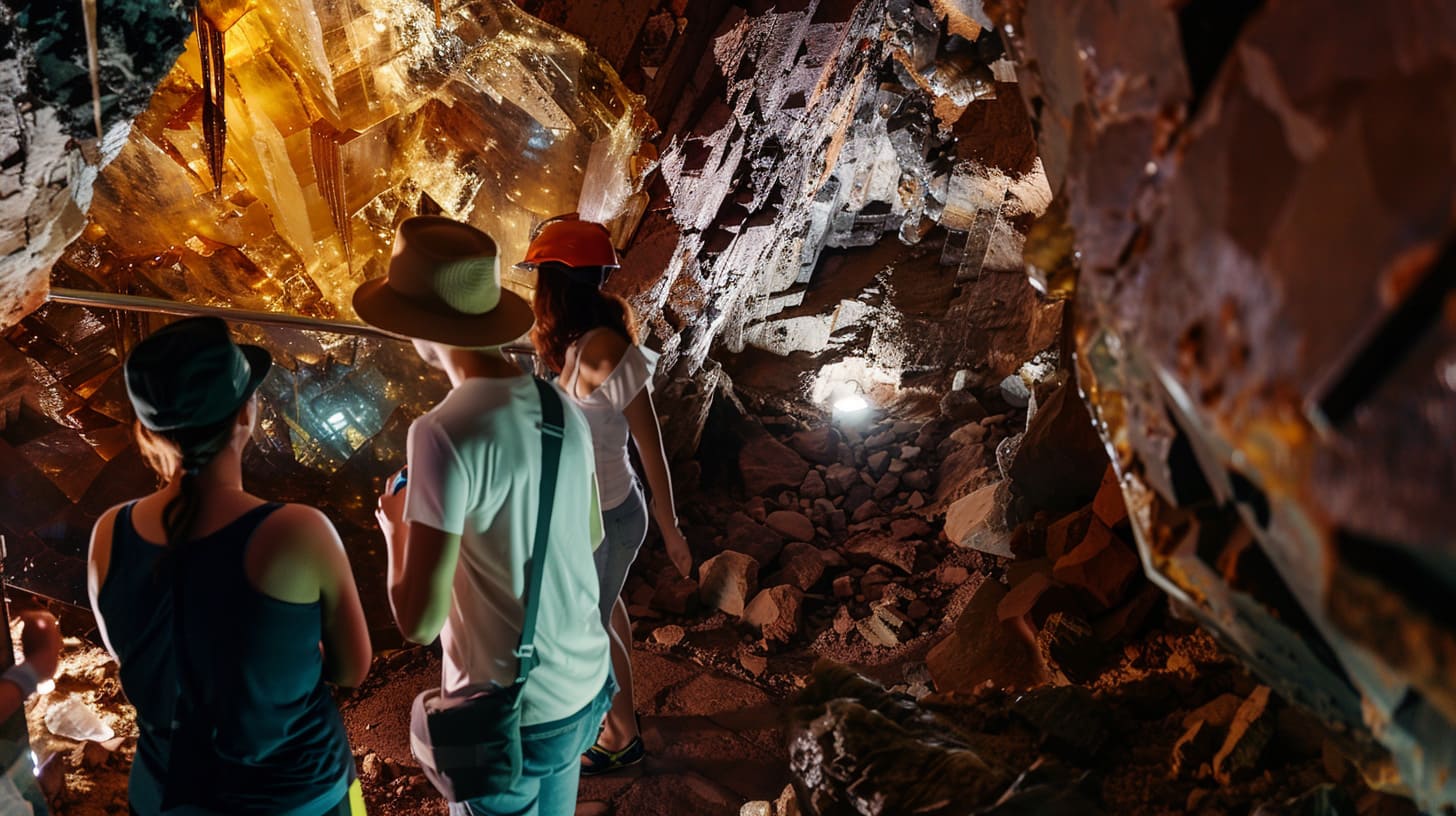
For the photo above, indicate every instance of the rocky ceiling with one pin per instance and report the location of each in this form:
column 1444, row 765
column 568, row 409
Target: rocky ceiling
column 1242, row 209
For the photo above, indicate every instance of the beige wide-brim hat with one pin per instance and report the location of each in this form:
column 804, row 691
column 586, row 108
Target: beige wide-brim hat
column 444, row 285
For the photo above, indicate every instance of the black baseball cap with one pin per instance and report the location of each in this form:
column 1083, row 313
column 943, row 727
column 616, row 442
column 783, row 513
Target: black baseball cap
column 190, row 374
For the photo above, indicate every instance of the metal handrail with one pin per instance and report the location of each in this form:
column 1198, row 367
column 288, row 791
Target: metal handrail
column 151, row 305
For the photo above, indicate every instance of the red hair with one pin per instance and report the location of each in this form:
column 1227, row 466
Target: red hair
column 567, row 306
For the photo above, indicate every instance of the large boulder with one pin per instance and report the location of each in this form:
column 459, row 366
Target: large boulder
column 768, row 465
column 1059, row 463
column 1035, row 599
column 839, row 478
column 818, row 445
column 803, row 565
column 792, row 525
column 978, row 521
column 727, row 580
column 776, row 612
column 983, row 650
column 751, row 538
column 678, row 596
column 873, row 546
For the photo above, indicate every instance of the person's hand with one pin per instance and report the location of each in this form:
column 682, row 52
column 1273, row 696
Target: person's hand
column 677, row 550
column 390, row 510
column 40, row 641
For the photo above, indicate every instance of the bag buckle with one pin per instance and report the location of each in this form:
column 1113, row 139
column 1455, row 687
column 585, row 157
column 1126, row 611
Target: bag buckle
column 527, row 653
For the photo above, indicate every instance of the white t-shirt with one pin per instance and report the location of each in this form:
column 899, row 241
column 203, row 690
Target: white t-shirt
column 474, row 471
column 603, row 409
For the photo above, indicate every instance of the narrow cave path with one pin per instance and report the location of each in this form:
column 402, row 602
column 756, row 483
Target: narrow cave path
column 714, row 742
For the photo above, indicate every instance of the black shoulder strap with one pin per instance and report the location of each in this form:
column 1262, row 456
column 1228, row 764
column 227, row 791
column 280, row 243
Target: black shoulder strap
column 553, row 430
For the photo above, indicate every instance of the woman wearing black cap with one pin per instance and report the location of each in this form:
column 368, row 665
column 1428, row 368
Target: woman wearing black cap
column 226, row 613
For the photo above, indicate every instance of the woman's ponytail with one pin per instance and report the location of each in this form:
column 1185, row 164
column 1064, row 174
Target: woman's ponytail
column 187, row 451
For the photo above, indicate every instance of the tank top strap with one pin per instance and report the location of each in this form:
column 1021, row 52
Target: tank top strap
column 252, row 519
column 124, row 533
column 235, row 536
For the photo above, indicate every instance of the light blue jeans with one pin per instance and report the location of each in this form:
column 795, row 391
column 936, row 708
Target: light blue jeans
column 552, row 753
column 625, row 528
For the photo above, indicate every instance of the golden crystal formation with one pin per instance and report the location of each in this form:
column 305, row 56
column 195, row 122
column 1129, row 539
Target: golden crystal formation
column 270, row 170
column 274, row 162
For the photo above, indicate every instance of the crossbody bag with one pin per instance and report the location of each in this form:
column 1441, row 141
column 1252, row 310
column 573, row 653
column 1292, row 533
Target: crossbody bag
column 470, row 747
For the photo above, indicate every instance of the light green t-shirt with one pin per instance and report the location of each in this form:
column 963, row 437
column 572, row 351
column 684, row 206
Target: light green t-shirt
column 475, row 471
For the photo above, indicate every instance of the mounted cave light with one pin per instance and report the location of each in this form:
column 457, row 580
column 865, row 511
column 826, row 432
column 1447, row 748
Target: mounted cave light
column 850, row 404
column 848, row 388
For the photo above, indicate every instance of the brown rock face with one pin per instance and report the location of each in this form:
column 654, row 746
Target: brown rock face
column 873, row 547
column 727, row 581
column 1060, row 461
column 791, row 525
column 1100, row 566
column 818, row 445
column 1254, row 241
column 751, row 538
column 678, row 596
column 803, row 565
column 840, row 478
column 1035, row 599
column 983, row 650
column 1109, row 506
column 1066, row 533
column 768, row 465
column 813, row 486
column 776, row 612
column 978, row 521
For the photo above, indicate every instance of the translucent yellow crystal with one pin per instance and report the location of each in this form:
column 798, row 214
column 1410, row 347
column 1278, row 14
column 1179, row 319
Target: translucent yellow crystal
column 349, row 114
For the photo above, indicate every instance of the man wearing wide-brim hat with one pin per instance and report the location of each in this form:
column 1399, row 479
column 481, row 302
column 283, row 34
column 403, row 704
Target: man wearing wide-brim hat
column 460, row 531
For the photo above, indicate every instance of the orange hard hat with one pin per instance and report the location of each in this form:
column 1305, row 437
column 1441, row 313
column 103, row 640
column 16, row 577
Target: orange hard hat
column 572, row 242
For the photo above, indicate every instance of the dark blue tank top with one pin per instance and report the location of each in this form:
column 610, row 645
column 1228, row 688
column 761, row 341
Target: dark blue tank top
column 278, row 738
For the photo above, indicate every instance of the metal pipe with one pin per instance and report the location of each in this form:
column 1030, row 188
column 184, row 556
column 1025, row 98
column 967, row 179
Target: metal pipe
column 151, row 305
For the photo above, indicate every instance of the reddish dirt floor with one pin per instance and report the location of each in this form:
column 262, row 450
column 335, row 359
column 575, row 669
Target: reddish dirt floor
column 1119, row 708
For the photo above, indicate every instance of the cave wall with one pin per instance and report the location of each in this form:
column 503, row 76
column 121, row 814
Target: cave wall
column 1252, row 230
column 55, row 136
column 844, row 186
column 1261, row 199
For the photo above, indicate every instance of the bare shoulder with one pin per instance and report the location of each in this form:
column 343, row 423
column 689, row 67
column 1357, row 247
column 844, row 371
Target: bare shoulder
column 299, row 526
column 101, row 532
column 601, row 355
column 106, row 522
column 293, row 553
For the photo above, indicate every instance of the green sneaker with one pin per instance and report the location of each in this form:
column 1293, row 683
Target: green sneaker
column 598, row 760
